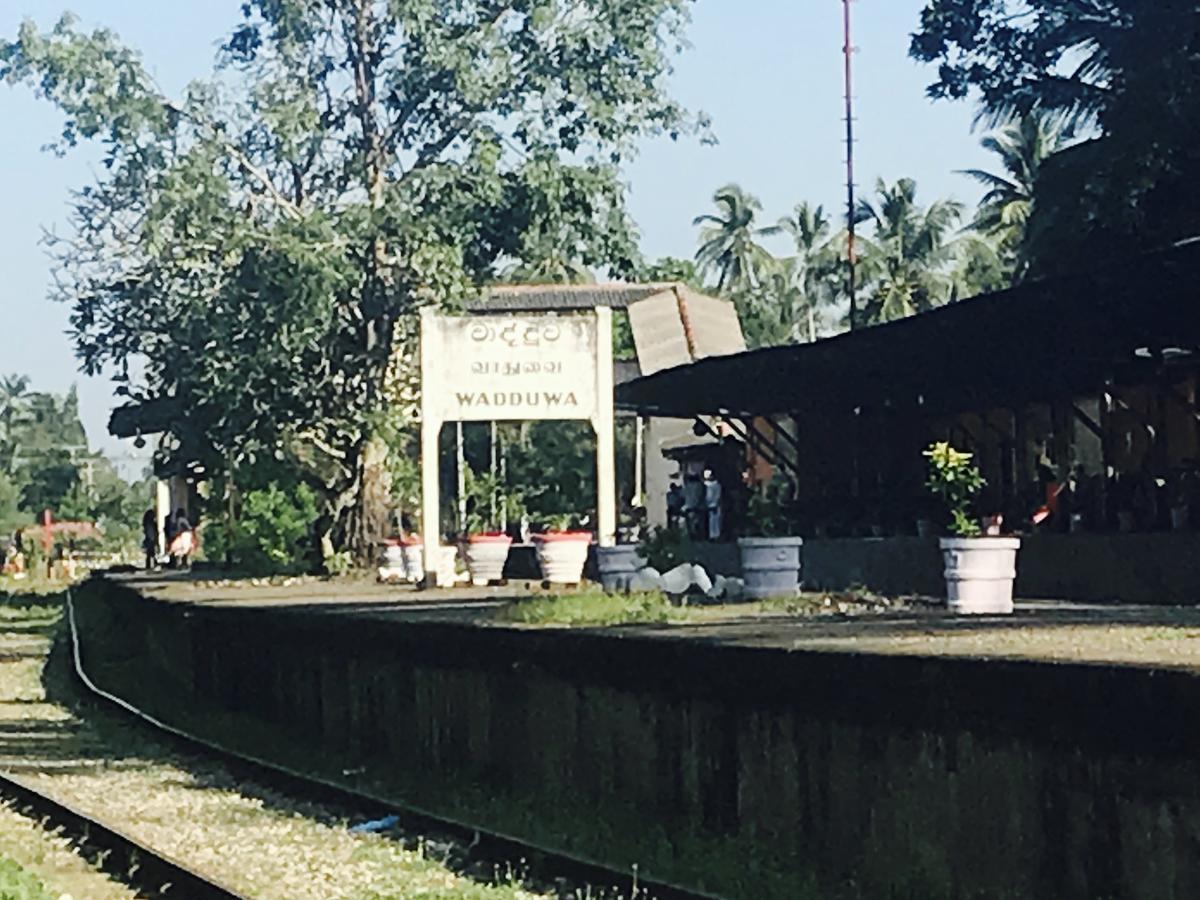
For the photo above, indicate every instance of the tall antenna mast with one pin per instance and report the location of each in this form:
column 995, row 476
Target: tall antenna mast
column 851, row 260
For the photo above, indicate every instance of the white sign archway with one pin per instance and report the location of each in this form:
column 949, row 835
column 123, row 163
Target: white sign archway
column 516, row 368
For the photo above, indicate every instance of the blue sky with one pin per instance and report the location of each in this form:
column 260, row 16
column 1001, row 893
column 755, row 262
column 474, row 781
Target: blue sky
column 768, row 72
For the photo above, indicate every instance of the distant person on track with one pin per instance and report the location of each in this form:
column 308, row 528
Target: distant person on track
column 150, row 537
column 182, row 540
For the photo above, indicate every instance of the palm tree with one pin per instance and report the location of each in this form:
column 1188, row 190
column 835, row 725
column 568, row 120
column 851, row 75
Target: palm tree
column 727, row 240
column 909, row 260
column 812, row 273
column 1004, row 211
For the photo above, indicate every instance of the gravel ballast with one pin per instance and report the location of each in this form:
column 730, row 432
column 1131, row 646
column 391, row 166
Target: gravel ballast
column 258, row 841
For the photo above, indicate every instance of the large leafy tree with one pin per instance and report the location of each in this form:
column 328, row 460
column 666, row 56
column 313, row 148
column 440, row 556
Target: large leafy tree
column 671, row 269
column 1005, row 209
column 262, row 241
column 911, row 257
column 1126, row 71
column 729, row 245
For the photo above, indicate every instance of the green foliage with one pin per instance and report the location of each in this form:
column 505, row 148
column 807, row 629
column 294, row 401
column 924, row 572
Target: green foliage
column 340, row 563
column 554, row 465
column 908, row 264
column 1126, row 71
column 767, row 511
column 955, row 481
column 45, row 463
column 271, row 534
column 624, row 348
column 728, row 245
column 490, row 502
column 671, row 270
column 262, row 242
column 1005, row 209
column 665, row 548
column 18, row 884
column 11, row 514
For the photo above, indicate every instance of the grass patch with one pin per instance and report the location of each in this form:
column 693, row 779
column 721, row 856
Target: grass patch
column 593, row 607
column 18, row 884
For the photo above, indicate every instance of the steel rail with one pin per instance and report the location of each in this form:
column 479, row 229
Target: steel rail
column 545, row 864
column 151, row 872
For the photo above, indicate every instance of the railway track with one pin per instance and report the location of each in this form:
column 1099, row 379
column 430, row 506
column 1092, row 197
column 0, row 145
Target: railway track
column 155, row 874
column 152, row 873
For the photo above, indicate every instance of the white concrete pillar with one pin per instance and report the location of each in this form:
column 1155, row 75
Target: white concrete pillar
column 162, row 509
column 605, row 426
column 431, row 425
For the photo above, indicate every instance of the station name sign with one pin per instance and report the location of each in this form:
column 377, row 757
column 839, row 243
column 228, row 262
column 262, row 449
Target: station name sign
column 496, row 368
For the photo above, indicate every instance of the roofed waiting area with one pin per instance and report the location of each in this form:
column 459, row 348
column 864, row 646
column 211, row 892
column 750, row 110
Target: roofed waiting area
column 1077, row 396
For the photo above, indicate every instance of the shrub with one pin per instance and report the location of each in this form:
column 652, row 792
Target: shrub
column 271, row 534
column 665, row 548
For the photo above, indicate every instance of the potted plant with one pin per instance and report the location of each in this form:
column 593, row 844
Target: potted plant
column 561, row 551
column 979, row 570
column 618, row 563
column 771, row 557
column 486, row 546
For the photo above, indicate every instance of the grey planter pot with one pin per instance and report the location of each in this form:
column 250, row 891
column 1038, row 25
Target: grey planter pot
column 979, row 573
column 617, row 566
column 770, row 566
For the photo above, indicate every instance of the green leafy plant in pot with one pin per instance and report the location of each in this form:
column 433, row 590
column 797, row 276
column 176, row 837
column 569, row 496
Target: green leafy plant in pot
column 486, row 546
column 955, row 481
column 979, row 571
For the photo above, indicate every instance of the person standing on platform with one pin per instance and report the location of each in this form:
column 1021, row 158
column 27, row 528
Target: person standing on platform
column 712, row 505
column 182, row 540
column 694, row 512
column 150, row 537
column 674, row 504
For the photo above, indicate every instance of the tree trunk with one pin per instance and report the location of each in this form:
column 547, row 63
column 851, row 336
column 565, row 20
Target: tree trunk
column 366, row 515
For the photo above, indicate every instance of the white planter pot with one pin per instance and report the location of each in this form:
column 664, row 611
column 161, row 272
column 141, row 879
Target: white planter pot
column 617, row 566
column 486, row 555
column 980, row 573
column 770, row 566
column 444, row 565
column 391, row 563
column 414, row 561
column 562, row 555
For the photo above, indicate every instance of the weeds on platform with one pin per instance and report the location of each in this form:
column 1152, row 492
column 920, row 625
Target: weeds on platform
column 593, row 607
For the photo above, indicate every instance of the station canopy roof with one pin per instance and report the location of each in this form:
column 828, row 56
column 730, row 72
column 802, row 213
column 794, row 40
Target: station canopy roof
column 518, row 298
column 1053, row 338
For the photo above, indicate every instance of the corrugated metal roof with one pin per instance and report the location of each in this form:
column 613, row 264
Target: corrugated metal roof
column 561, row 297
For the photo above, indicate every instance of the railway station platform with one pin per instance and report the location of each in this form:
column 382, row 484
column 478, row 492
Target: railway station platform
column 745, row 753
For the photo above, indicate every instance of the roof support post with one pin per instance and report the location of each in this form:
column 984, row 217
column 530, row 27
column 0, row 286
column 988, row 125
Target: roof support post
column 1087, row 421
column 749, row 440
